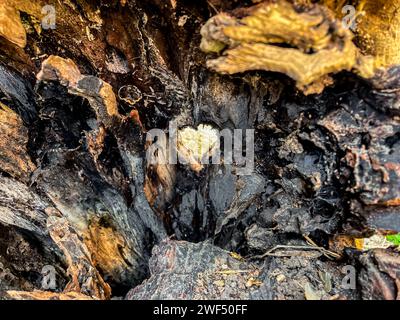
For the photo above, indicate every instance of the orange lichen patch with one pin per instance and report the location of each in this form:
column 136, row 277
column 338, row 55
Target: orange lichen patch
column 106, row 246
column 392, row 203
column 160, row 187
column 86, row 282
column 98, row 92
column 150, row 191
column 110, row 101
column 55, row 68
column 14, row 158
column 47, row 295
column 339, row 242
column 252, row 282
column 275, row 36
column 317, row 86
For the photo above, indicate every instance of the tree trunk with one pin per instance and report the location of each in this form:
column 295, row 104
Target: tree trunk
column 83, row 85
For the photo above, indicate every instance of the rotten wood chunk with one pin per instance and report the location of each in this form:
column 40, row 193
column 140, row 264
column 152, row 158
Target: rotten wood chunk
column 85, row 278
column 99, row 216
column 317, row 44
column 18, row 94
column 25, row 254
column 387, row 92
column 98, row 92
column 23, row 208
column 370, row 143
column 380, row 274
column 202, row 271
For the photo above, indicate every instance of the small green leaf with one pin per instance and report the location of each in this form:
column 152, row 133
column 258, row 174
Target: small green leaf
column 394, row 238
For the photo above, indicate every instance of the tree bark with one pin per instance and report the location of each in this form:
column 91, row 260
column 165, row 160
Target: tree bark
column 78, row 99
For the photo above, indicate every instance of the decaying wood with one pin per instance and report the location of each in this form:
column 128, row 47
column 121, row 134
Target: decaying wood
column 46, row 295
column 78, row 193
column 319, row 44
column 379, row 275
column 85, row 277
column 14, row 157
column 22, row 207
column 110, row 238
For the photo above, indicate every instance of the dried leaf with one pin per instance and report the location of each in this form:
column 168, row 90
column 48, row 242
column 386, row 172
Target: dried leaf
column 310, row 293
